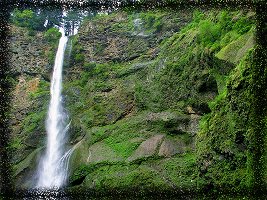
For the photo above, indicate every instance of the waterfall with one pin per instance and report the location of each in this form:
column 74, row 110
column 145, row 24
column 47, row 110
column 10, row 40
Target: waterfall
column 139, row 28
column 52, row 170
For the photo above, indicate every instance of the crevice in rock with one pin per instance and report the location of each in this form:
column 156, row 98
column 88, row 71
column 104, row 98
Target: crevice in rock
column 77, row 181
column 125, row 113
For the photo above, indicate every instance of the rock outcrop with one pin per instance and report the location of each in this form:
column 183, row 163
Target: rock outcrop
column 29, row 65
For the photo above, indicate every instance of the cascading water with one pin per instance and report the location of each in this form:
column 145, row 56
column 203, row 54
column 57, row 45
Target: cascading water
column 52, row 171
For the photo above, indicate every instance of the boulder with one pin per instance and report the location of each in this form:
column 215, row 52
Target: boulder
column 169, row 148
column 147, row 148
column 25, row 170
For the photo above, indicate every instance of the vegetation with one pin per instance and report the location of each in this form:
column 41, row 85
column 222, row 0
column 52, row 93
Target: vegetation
column 169, row 108
column 27, row 18
column 52, row 35
column 198, row 79
column 152, row 21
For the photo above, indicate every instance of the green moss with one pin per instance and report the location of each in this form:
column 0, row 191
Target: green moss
column 152, row 21
column 43, row 91
column 79, row 58
column 89, row 66
column 130, row 176
column 209, row 32
column 229, row 37
column 16, row 143
column 124, row 26
column 99, row 48
column 99, row 133
column 34, row 122
column 182, row 171
column 179, row 172
column 26, row 163
column 125, row 148
column 235, row 50
column 221, row 97
column 80, row 172
column 119, row 105
column 223, row 140
column 121, row 134
column 30, row 127
column 76, row 56
column 33, row 125
column 216, row 29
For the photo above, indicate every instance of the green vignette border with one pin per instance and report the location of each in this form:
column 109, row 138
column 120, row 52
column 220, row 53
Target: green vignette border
column 259, row 88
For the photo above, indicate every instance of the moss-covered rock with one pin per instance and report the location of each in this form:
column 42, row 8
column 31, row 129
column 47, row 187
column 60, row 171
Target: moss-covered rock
column 25, row 171
column 223, row 157
column 237, row 49
column 147, row 148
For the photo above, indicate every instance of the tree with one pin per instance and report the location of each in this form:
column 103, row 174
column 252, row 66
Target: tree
column 35, row 19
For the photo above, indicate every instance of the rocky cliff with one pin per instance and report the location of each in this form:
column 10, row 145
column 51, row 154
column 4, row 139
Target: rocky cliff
column 30, row 68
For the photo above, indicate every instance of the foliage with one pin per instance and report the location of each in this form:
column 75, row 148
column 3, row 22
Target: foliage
column 209, row 32
column 132, row 177
column 121, row 133
column 32, row 19
column 81, row 172
column 192, row 74
column 227, row 153
column 152, row 21
column 182, row 170
column 76, row 53
column 79, row 58
column 52, row 35
column 89, row 66
column 214, row 26
column 23, row 18
column 39, row 19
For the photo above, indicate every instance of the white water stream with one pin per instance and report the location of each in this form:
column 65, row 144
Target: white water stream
column 53, row 167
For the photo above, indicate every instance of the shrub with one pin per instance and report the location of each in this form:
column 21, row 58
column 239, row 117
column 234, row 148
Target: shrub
column 51, row 56
column 209, row 32
column 89, row 66
column 198, row 16
column 225, row 20
column 79, row 58
column 23, row 18
column 242, row 25
column 152, row 21
column 52, row 35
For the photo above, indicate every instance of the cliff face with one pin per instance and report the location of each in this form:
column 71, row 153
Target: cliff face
column 29, row 67
column 136, row 96
column 116, row 135
column 154, row 100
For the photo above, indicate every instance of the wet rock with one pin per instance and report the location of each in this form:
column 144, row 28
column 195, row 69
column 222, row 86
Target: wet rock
column 193, row 126
column 147, row 148
column 24, row 169
column 168, row 148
